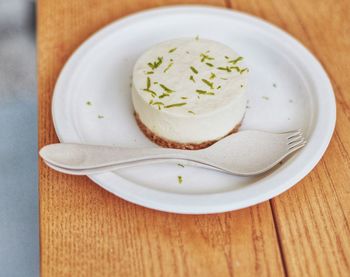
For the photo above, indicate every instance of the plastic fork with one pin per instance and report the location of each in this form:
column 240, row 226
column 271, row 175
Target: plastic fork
column 245, row 153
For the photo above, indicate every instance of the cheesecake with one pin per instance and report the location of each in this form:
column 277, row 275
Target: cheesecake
column 189, row 93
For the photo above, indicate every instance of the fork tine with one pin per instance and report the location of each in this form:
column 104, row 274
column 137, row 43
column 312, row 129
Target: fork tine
column 295, row 139
column 295, row 148
column 293, row 133
column 297, row 144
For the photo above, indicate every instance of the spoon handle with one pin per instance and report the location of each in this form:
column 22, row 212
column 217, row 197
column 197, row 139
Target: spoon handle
column 82, row 156
column 104, row 169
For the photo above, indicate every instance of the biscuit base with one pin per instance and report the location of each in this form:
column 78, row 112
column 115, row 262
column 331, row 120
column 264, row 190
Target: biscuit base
column 177, row 145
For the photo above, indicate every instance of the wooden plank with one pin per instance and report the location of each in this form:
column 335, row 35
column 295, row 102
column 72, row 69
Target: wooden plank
column 87, row 231
column 313, row 217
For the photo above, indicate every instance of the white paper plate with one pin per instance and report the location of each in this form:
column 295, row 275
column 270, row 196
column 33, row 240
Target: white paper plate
column 288, row 89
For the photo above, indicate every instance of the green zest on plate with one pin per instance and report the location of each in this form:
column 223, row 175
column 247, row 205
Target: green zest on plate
column 212, row 76
column 192, row 79
column 88, row 103
column 181, row 165
column 209, row 64
column 100, row 116
column 195, row 71
column 191, row 112
column 172, row 50
column 175, row 105
column 179, row 179
column 184, row 98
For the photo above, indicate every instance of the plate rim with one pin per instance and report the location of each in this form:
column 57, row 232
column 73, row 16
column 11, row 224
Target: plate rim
column 192, row 206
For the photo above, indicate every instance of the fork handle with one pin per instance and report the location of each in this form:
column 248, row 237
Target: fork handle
column 83, row 156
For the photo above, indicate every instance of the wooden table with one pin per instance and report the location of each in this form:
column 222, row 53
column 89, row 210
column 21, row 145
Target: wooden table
column 86, row 231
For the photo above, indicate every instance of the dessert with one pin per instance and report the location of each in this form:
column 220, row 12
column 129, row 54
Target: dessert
column 188, row 93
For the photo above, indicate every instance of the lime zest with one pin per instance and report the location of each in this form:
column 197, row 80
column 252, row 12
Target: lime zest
column 167, row 68
column 156, row 63
column 236, row 60
column 195, row 71
column 166, row 88
column 204, row 92
column 175, row 105
column 209, row 84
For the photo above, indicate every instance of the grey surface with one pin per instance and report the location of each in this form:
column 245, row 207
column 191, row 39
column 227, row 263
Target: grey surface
column 19, row 243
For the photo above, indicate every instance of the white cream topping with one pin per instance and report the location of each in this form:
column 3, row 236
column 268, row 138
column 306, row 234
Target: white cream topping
column 190, row 90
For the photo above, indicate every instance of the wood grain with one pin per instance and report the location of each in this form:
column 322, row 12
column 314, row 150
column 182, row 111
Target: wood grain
column 86, row 231
column 313, row 217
